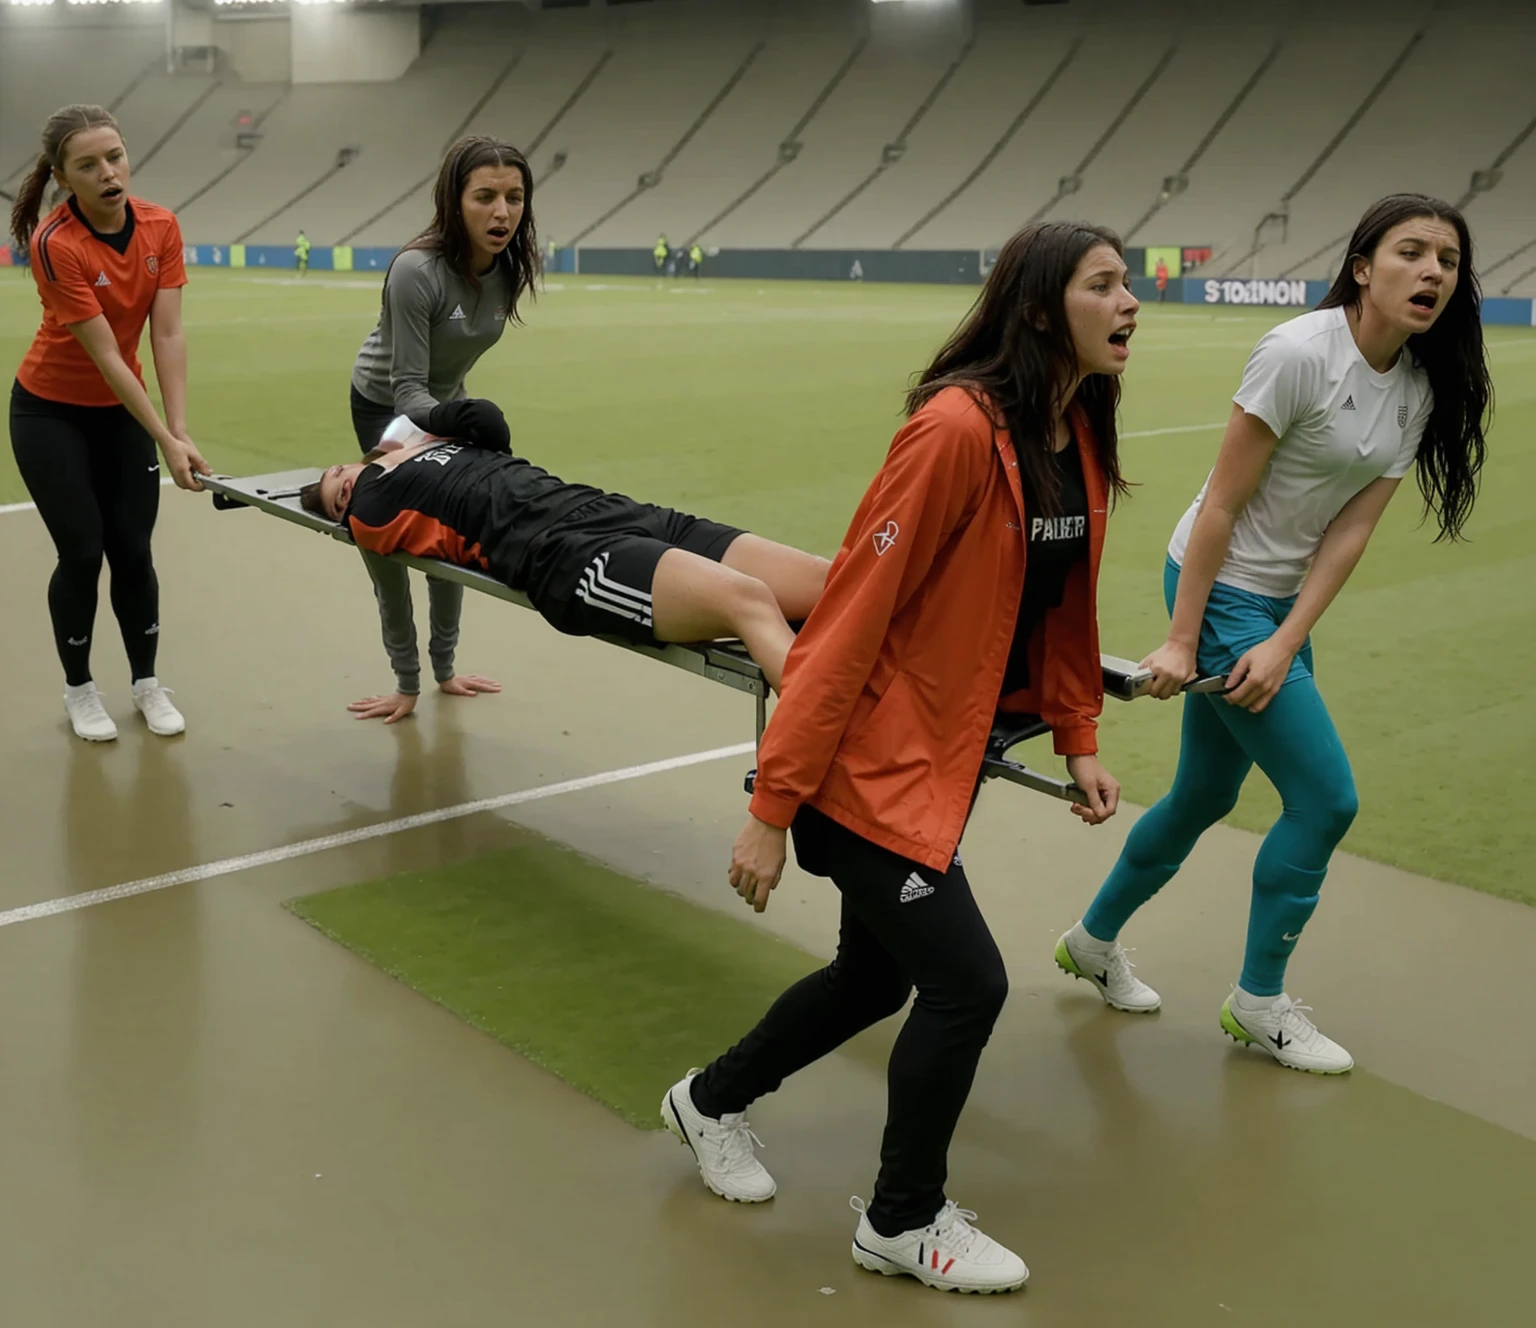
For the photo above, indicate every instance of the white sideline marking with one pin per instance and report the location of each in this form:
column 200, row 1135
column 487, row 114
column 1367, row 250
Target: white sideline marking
column 1177, row 428
column 229, row 866
column 165, row 481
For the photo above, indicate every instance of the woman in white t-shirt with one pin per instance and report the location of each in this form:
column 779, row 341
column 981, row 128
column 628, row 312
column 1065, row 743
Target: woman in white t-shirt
column 1335, row 407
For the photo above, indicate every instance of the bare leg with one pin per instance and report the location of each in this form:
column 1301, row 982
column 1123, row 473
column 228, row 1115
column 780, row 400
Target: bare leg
column 795, row 577
column 694, row 599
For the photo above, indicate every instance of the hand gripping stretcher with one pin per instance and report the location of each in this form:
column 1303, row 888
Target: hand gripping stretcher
column 724, row 662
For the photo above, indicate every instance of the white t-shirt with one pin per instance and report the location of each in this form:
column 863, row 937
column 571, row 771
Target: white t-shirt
column 1341, row 425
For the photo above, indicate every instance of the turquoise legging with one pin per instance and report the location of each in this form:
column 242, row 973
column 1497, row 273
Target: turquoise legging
column 1293, row 741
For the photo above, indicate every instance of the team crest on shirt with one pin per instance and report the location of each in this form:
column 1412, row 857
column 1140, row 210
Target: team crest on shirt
column 153, row 264
column 885, row 538
column 501, row 312
column 1402, row 416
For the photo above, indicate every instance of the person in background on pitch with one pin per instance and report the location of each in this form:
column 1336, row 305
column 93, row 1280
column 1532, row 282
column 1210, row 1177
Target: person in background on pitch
column 448, row 295
column 1335, row 408
column 966, row 583
column 83, row 429
column 301, row 254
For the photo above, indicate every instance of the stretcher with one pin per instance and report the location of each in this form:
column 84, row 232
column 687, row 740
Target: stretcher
column 725, row 662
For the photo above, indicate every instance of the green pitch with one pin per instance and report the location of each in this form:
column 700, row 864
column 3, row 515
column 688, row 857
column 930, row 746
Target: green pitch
column 771, row 405
column 615, row 987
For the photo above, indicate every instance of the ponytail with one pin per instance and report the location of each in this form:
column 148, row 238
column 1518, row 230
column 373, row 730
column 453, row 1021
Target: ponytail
column 62, row 125
column 29, row 202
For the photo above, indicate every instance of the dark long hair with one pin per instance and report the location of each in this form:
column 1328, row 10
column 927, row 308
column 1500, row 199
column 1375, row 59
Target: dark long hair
column 1014, row 354
column 447, row 235
column 1451, row 353
column 62, row 125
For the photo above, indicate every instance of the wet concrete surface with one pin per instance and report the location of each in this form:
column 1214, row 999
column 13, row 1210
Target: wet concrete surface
column 216, row 1116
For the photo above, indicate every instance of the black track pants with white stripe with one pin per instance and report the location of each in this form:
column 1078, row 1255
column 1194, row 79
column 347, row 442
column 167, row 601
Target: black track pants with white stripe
column 903, row 926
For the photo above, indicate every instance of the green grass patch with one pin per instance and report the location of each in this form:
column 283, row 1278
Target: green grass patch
column 615, row 986
column 770, row 405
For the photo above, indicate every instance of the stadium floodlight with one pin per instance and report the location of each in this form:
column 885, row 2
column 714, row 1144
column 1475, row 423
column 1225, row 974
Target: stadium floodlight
column 31, row 4
column 114, row 2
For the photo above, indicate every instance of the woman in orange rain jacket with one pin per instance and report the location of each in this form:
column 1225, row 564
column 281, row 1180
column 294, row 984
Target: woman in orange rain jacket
column 965, row 584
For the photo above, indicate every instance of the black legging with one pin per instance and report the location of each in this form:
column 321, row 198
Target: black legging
column 94, row 475
column 903, row 925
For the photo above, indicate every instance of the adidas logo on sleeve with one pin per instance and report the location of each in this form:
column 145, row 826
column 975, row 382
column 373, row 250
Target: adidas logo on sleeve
column 1349, row 402
column 102, row 279
column 914, row 887
column 458, row 312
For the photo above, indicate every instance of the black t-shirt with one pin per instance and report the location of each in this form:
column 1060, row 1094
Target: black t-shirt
column 1056, row 545
column 462, row 504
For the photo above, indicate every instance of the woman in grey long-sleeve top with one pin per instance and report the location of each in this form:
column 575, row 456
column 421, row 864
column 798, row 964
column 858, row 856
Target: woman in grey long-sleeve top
column 447, row 296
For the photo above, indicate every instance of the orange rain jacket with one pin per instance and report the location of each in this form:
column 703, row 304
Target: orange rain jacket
column 891, row 687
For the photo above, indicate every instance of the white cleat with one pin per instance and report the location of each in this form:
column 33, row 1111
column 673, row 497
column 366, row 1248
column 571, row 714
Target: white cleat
column 949, row 1254
column 1285, row 1032
column 1108, row 972
column 87, row 716
column 723, row 1148
column 153, row 701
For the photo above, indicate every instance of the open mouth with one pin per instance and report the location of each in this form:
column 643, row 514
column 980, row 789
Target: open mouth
column 1121, row 336
column 1424, row 300
column 499, row 233
column 112, row 191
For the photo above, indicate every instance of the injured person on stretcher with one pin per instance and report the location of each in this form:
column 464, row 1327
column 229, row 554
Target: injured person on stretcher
column 592, row 563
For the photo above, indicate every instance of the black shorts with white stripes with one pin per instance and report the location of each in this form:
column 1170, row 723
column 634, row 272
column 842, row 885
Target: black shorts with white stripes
column 591, row 573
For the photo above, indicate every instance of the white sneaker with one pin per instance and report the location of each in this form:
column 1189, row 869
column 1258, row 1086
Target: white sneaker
column 153, row 701
column 1286, row 1034
column 87, row 716
column 1108, row 971
column 949, row 1254
column 722, row 1148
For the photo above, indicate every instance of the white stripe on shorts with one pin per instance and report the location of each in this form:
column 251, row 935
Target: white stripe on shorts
column 599, row 597
column 600, row 570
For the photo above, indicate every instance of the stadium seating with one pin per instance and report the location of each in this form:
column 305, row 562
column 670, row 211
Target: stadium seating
column 776, row 123
column 38, row 73
column 203, row 148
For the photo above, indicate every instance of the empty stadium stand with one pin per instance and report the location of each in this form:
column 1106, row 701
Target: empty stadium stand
column 1258, row 129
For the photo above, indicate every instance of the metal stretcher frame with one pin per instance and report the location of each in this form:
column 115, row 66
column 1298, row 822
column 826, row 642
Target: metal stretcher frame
column 724, row 662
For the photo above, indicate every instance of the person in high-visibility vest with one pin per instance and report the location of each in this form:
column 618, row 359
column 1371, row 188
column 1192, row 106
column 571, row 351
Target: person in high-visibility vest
column 695, row 261
column 660, row 253
column 301, row 253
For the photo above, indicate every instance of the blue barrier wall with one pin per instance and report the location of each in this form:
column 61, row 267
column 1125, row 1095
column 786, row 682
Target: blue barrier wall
column 940, row 266
column 1502, row 311
column 325, row 259
column 924, row 266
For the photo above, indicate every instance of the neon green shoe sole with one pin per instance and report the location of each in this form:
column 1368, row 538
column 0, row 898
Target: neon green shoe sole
column 1231, row 1027
column 1065, row 962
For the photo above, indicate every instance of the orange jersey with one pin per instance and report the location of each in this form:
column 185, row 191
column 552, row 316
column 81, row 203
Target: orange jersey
column 891, row 686
column 81, row 274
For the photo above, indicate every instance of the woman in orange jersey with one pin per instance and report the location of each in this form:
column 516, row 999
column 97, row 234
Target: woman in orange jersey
column 965, row 584
column 83, row 428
